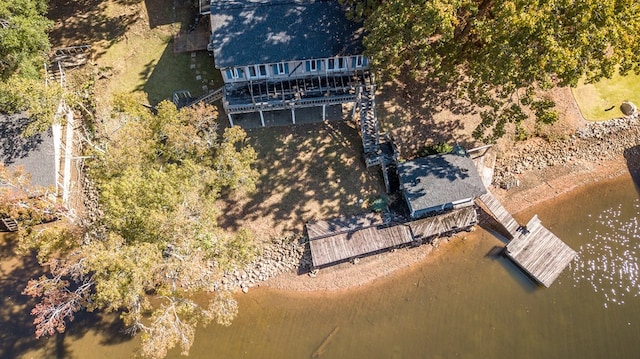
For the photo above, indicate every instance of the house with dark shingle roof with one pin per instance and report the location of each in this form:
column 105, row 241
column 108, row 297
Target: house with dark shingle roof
column 279, row 56
column 438, row 183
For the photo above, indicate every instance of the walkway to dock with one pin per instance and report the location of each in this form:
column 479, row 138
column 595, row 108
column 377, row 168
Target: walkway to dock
column 500, row 213
column 341, row 239
column 533, row 247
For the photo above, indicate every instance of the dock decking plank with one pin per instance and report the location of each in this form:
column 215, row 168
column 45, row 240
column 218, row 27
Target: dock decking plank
column 344, row 238
column 434, row 226
column 500, row 213
column 344, row 246
column 540, row 253
column 319, row 229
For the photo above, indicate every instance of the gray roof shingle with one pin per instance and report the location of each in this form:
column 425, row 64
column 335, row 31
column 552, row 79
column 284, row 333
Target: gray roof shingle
column 439, row 179
column 250, row 32
column 35, row 154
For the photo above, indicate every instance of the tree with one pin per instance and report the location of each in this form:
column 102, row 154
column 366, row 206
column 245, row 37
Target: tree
column 498, row 51
column 23, row 38
column 156, row 243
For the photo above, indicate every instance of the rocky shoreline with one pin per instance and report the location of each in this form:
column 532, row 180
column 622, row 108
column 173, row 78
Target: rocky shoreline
column 278, row 256
column 595, row 142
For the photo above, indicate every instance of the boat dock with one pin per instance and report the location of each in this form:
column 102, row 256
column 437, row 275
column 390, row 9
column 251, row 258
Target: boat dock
column 532, row 247
column 342, row 239
column 539, row 252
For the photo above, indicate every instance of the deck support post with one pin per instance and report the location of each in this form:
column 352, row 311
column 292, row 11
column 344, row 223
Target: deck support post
column 230, row 119
column 355, row 106
column 293, row 115
column 324, row 113
column 262, row 118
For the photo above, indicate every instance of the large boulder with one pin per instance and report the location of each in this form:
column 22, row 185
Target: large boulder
column 628, row 108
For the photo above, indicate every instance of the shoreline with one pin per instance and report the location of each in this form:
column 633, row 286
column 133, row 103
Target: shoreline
column 542, row 171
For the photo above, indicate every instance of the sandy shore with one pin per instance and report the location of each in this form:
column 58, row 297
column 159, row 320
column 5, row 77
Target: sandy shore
column 537, row 187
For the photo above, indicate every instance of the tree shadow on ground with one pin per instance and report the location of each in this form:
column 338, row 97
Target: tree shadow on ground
column 17, row 331
column 80, row 22
column 306, row 172
column 416, row 114
column 173, row 72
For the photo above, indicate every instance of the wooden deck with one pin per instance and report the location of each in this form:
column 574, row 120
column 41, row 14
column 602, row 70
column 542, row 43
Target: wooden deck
column 533, row 248
column 456, row 220
column 341, row 239
column 346, row 245
column 321, row 229
column 539, row 252
column 500, row 213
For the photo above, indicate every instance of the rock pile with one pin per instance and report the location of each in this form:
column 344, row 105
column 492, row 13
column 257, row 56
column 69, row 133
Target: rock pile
column 597, row 141
column 278, row 256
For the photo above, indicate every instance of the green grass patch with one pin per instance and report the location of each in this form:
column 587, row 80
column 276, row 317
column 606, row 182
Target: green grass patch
column 596, row 100
column 142, row 59
column 147, row 63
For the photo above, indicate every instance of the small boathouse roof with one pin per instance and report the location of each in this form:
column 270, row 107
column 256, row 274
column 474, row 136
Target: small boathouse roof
column 251, row 32
column 438, row 182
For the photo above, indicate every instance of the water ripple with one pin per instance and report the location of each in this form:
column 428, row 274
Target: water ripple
column 608, row 261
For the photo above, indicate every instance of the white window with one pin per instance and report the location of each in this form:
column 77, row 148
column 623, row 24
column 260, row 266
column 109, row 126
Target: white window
column 336, row 64
column 331, row 64
column 357, row 61
column 257, row 71
column 235, row 73
column 281, row 68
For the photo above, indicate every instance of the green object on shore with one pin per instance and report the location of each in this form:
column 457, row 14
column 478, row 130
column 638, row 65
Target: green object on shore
column 601, row 100
column 379, row 204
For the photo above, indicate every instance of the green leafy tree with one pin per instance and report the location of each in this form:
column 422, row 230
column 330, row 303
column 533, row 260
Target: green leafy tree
column 24, row 41
column 499, row 50
column 156, row 243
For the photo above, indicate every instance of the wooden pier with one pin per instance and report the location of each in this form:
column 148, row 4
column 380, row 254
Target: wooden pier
column 341, row 239
column 539, row 252
column 533, row 248
column 500, row 213
column 428, row 228
column 343, row 246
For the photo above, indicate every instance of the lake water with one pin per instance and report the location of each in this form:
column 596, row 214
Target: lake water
column 465, row 302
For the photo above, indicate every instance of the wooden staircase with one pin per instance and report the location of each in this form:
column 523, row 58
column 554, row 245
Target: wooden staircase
column 183, row 98
column 366, row 106
column 63, row 58
column 9, row 224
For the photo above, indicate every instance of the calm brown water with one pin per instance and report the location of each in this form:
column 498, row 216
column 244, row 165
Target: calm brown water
column 467, row 302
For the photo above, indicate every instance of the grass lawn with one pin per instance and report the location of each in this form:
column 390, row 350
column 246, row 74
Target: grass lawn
column 142, row 60
column 595, row 99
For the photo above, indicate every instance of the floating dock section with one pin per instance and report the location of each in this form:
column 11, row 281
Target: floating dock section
column 341, row 239
column 533, row 248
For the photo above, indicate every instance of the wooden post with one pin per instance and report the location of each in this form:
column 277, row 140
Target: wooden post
column 262, row 118
column 230, row 119
column 324, row 112
column 293, row 115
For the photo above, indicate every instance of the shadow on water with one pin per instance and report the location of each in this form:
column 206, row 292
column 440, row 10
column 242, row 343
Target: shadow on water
column 491, row 225
column 632, row 157
column 17, row 331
